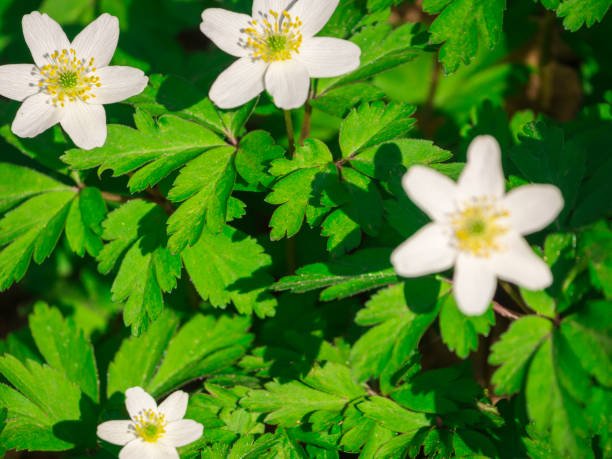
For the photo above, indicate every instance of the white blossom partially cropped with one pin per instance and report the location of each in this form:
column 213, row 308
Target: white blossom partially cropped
column 477, row 228
column 277, row 51
column 153, row 432
column 68, row 82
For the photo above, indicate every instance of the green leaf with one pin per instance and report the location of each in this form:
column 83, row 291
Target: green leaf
column 31, row 231
column 230, row 266
column 398, row 329
column 45, row 409
column 392, row 416
column 595, row 246
column 373, row 124
column 348, row 276
column 473, row 444
column 544, row 156
column 550, row 403
column 588, row 333
column 84, row 222
column 463, row 26
column 576, row 13
column 206, row 184
column 514, row 351
column 20, row 183
column 148, row 269
column 156, row 148
column 392, row 159
column 294, row 189
column 460, row 332
column 327, row 388
column 339, row 101
column 383, row 48
column 256, row 151
column 160, row 361
column 65, row 348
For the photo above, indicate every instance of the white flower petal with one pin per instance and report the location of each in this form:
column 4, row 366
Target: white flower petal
column 432, row 191
column 35, row 116
column 117, row 432
column 314, row 14
column 533, row 207
column 426, row 252
column 43, row 36
column 224, row 29
column 85, row 124
column 474, row 284
column 326, row 57
column 139, row 449
column 261, row 7
column 483, row 175
column 118, row 83
column 519, row 264
column 137, row 400
column 98, row 40
column 174, row 406
column 183, row 432
column 19, row 81
column 239, row 83
column 288, row 82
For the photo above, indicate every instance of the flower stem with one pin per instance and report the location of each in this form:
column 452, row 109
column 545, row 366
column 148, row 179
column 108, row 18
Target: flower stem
column 502, row 311
column 308, row 113
column 290, row 132
column 515, row 295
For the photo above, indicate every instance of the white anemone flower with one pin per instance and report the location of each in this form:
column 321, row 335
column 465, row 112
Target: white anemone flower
column 277, row 51
column 477, row 228
column 68, row 82
column 154, row 432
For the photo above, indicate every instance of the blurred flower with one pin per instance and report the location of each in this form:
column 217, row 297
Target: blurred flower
column 154, row 431
column 69, row 82
column 277, row 49
column 477, row 228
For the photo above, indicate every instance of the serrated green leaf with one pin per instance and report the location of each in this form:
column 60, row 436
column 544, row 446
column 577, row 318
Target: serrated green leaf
column 293, row 191
column 45, row 409
column 348, row 276
column 20, row 183
column 31, row 231
column 231, row 267
column 397, row 331
column 147, row 270
column 205, row 185
column 160, row 360
column 551, row 406
column 65, row 348
column 514, row 351
column 589, row 333
column 339, row 101
column 392, row 416
column 576, row 13
column 327, row 388
column 460, row 332
column 373, row 124
column 84, row 222
column 157, row 147
column 256, row 151
column 463, row 26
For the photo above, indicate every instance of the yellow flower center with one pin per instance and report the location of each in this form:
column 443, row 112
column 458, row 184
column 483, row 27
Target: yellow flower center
column 150, row 426
column 478, row 227
column 67, row 78
column 274, row 37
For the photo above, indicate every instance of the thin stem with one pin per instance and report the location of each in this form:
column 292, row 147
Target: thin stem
column 77, row 179
column 509, row 289
column 290, row 132
column 308, row 114
column 502, row 311
column 112, row 197
column 428, row 108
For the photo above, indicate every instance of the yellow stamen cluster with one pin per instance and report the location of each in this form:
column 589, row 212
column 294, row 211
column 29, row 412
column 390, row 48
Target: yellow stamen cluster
column 478, row 226
column 274, row 37
column 67, row 78
column 150, row 426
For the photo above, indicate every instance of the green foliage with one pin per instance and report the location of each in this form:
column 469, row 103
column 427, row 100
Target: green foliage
column 255, row 274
